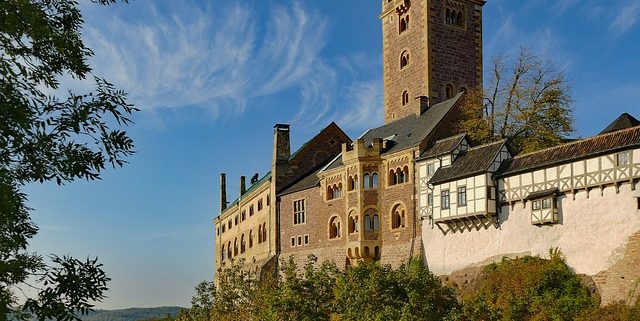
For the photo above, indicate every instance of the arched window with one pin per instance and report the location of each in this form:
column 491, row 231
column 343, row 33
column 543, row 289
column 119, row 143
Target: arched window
column 405, row 173
column 460, row 19
column 392, row 178
column 235, row 247
column 368, row 224
column 403, row 24
column 405, row 98
column 268, row 200
column 259, row 234
column 448, row 17
column 449, row 92
column 366, row 180
column 223, row 254
column 353, row 182
column 398, row 216
column 251, row 239
column 374, row 180
column 376, row 222
column 260, row 205
column 454, row 17
column 404, row 59
column 251, row 210
column 334, row 228
column 243, row 216
column 376, row 253
column 242, row 244
column 264, row 232
column 353, row 222
column 230, row 224
column 229, row 250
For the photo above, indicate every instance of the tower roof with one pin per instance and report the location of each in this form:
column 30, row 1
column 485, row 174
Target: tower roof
column 624, row 121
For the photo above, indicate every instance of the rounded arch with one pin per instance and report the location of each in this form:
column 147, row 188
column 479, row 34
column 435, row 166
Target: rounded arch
column 398, row 215
column 404, row 59
column 229, row 252
column 405, row 97
column 264, row 232
column 334, row 227
column 223, row 253
column 354, row 222
column 371, row 219
column 243, row 247
column 448, row 92
column 251, row 238
column 235, row 247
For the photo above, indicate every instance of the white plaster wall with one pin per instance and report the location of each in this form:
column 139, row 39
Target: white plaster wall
column 592, row 234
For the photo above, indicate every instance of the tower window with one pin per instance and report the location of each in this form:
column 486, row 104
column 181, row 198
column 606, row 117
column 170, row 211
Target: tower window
column 404, row 24
column 449, row 92
column 405, row 98
column 454, row 17
column 404, row 59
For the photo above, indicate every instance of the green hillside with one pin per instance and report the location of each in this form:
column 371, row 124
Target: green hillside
column 131, row 314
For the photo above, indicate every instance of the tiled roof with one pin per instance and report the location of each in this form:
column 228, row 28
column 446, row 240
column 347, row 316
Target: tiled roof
column 410, row 131
column 305, row 182
column 443, row 146
column 590, row 147
column 471, row 162
column 623, row 122
column 335, row 163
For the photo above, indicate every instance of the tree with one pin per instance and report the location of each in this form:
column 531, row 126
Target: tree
column 45, row 136
column 527, row 104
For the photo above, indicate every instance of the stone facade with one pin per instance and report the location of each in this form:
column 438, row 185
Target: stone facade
column 425, row 53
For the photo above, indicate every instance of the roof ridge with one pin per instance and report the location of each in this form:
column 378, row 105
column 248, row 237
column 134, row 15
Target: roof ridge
column 450, row 137
column 618, row 132
column 502, row 141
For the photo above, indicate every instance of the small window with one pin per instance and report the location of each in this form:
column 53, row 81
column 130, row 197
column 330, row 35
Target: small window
column 243, row 216
column 431, row 168
column 449, row 92
column 251, row 210
column 462, row 196
column 444, row 202
column 546, row 203
column 230, row 224
column 235, row 220
column 454, row 17
column 405, row 98
column 268, row 200
column 429, row 199
column 404, row 24
column 334, row 228
column 404, row 59
column 306, row 239
column 299, row 240
column 260, row 205
column 374, row 180
column 637, row 198
column 293, row 241
column 623, row 158
column 535, row 205
column 224, row 227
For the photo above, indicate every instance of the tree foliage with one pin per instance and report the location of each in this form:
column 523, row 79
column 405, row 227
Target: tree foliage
column 46, row 135
column 528, row 288
column 528, row 104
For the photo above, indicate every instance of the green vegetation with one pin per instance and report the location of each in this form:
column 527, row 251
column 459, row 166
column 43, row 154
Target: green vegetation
column 522, row 289
column 527, row 103
column 48, row 137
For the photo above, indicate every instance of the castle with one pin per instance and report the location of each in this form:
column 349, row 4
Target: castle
column 414, row 187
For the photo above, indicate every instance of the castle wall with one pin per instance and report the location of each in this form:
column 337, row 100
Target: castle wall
column 318, row 214
column 594, row 234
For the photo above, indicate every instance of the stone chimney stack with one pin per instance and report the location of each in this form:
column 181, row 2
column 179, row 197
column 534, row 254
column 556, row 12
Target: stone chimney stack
column 281, row 143
column 243, row 186
column 223, row 192
column 280, row 169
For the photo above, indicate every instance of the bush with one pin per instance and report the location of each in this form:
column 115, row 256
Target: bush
column 528, row 288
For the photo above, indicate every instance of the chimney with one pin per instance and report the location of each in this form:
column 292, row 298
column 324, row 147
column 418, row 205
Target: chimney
column 223, row 192
column 281, row 143
column 243, row 186
column 424, row 103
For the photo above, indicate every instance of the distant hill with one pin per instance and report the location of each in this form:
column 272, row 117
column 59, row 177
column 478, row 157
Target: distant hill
column 131, row 314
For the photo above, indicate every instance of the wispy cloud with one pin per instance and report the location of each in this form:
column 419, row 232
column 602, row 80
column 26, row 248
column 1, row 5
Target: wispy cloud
column 176, row 58
column 626, row 18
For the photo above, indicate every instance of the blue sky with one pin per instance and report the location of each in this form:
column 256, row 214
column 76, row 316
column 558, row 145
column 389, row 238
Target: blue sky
column 213, row 77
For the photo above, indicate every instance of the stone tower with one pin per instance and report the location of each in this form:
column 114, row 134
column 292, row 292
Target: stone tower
column 431, row 49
